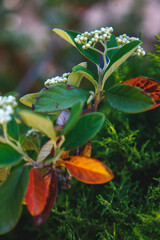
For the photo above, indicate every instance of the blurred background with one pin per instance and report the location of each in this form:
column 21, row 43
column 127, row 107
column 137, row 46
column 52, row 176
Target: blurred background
column 30, row 52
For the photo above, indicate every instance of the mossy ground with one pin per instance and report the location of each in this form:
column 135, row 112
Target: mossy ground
column 129, row 206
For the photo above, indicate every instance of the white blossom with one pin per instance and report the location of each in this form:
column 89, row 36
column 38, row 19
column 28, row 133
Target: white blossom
column 7, row 104
column 57, row 79
column 4, row 116
column 88, row 39
column 124, row 39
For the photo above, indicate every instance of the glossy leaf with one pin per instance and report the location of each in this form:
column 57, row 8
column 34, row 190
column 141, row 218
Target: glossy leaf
column 8, row 156
column 128, row 99
column 28, row 99
column 12, row 192
column 89, row 170
column 36, row 195
column 75, row 78
column 59, row 97
column 38, row 122
column 87, row 74
column 69, row 36
column 46, row 149
column 86, row 128
column 74, row 115
column 13, row 129
column 52, row 189
column 120, row 56
column 148, row 85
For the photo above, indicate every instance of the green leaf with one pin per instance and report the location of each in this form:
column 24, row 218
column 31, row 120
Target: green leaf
column 59, row 97
column 69, row 36
column 75, row 78
column 128, row 99
column 87, row 74
column 38, row 122
column 75, row 112
column 120, row 56
column 12, row 192
column 13, row 129
column 8, row 155
column 111, row 44
column 28, row 99
column 86, row 128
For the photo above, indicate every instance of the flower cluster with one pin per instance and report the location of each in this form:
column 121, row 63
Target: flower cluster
column 124, row 39
column 88, row 39
column 57, row 79
column 7, row 105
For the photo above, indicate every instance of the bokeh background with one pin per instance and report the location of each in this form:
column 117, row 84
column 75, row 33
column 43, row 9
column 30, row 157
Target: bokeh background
column 30, row 52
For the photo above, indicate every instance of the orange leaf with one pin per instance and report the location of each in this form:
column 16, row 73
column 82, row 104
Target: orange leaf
column 52, row 189
column 148, row 85
column 88, row 170
column 87, row 150
column 36, row 194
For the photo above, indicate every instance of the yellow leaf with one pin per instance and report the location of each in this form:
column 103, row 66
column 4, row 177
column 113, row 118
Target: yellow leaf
column 28, row 99
column 75, row 78
column 30, row 145
column 64, row 35
column 38, row 122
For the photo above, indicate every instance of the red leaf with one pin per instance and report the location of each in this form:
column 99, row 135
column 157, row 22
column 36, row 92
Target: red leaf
column 88, row 170
column 36, row 194
column 52, row 189
column 148, row 85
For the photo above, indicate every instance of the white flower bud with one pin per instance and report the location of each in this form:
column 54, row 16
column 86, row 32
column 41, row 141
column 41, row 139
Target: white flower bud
column 86, row 34
column 82, row 38
column 85, row 39
column 88, row 45
column 102, row 29
column 143, row 53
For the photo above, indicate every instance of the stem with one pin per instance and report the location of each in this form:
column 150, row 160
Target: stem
column 99, row 90
column 105, row 62
column 17, row 147
column 104, row 53
column 113, row 48
column 95, row 49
